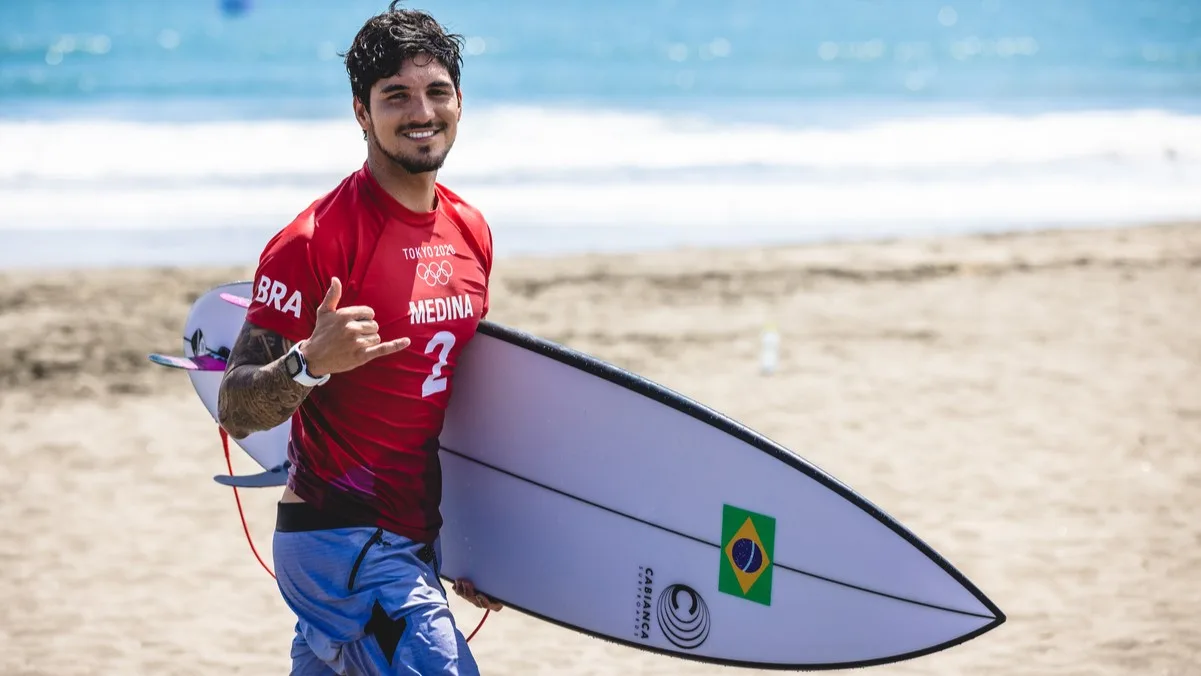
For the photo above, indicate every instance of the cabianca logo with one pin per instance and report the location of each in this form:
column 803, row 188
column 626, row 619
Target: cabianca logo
column 435, row 273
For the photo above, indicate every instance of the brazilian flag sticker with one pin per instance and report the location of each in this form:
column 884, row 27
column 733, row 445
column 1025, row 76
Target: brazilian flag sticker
column 747, row 545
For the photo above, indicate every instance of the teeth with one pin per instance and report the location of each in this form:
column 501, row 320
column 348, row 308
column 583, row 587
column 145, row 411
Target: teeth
column 420, row 134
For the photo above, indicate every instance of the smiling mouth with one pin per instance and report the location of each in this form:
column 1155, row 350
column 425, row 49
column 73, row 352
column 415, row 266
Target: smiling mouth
column 421, row 135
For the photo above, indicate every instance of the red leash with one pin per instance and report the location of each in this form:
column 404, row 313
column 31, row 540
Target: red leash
column 246, row 529
column 241, row 513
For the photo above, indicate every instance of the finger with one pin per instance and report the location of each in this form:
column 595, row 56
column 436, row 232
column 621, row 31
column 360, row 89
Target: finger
column 363, row 326
column 387, row 348
column 483, row 601
column 367, row 341
column 465, row 589
column 357, row 312
column 332, row 296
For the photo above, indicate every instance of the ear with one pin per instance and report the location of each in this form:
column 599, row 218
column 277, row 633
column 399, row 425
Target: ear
column 362, row 115
column 459, row 96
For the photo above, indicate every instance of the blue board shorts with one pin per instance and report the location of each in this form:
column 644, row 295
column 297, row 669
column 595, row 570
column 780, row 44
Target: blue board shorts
column 367, row 601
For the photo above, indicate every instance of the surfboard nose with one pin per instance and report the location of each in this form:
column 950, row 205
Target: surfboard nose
column 857, row 627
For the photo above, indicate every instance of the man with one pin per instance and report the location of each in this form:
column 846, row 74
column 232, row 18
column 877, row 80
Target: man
column 337, row 340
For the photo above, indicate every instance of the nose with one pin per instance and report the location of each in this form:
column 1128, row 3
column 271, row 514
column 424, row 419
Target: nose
column 421, row 111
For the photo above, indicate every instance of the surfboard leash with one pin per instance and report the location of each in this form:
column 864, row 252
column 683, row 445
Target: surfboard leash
column 238, row 498
column 246, row 529
column 477, row 627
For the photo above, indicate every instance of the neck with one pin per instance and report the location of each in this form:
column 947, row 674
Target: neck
column 414, row 191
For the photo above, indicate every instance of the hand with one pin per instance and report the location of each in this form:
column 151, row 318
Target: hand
column 344, row 338
column 465, row 589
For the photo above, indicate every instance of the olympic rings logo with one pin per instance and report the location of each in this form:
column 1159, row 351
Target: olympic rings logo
column 435, row 273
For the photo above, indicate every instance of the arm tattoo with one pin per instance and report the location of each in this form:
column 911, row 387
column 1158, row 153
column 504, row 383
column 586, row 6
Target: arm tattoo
column 256, row 393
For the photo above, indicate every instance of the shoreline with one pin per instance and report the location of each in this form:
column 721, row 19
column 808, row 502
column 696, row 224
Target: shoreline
column 182, row 249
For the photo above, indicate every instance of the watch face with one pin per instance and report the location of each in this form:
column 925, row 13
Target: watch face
column 292, row 364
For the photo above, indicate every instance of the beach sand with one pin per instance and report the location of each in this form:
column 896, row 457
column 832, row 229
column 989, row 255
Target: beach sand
column 1030, row 405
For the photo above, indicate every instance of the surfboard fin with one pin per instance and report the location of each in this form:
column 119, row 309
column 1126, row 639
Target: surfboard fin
column 240, row 301
column 276, row 476
column 198, row 363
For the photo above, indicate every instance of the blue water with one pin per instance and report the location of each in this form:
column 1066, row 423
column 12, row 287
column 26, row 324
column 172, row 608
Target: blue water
column 586, row 116
column 624, row 53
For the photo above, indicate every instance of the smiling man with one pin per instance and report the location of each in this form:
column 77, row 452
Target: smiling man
column 362, row 307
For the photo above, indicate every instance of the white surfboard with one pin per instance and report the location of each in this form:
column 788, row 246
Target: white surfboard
column 589, row 497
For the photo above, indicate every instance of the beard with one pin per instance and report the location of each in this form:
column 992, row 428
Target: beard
column 423, row 161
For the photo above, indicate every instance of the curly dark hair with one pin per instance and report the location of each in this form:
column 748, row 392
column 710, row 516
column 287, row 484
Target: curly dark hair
column 389, row 38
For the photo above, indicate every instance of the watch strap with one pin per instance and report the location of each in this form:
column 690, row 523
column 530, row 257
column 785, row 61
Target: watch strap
column 298, row 368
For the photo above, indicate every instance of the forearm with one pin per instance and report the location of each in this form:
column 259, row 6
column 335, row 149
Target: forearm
column 256, row 393
column 253, row 398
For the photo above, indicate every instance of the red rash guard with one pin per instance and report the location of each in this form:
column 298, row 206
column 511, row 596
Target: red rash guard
column 364, row 444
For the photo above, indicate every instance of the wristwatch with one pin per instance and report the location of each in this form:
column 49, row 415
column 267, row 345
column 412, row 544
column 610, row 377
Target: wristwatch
column 298, row 369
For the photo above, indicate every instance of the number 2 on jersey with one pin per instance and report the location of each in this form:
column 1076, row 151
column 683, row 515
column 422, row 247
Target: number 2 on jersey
column 436, row 382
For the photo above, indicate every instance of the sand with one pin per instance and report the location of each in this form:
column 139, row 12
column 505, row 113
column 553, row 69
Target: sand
column 1028, row 404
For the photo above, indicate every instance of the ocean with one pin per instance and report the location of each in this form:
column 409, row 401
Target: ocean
column 187, row 131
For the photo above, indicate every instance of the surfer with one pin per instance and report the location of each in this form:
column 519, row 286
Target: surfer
column 361, row 308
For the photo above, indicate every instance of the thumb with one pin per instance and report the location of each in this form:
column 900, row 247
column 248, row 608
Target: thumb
column 330, row 302
column 386, row 348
